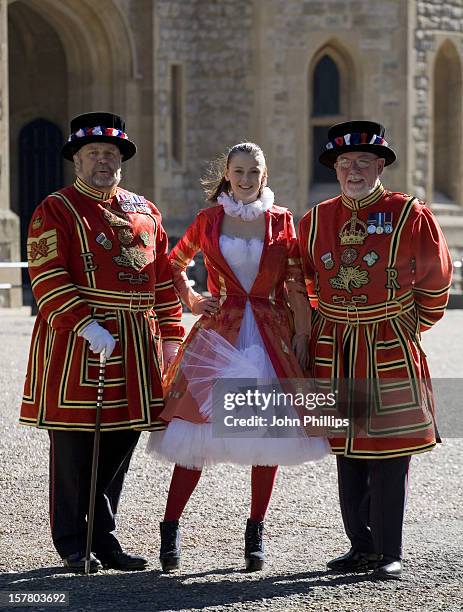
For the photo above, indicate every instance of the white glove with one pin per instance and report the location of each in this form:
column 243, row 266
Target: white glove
column 100, row 339
column 169, row 352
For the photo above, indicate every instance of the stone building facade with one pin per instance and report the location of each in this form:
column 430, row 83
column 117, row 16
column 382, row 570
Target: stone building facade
column 193, row 77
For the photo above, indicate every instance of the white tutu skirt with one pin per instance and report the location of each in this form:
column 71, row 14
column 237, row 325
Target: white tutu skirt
column 193, row 445
column 210, row 357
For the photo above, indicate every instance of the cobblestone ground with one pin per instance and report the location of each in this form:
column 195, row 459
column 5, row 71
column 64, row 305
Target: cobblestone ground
column 303, row 529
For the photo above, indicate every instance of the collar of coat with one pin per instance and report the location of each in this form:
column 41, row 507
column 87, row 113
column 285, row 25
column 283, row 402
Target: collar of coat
column 93, row 193
column 371, row 198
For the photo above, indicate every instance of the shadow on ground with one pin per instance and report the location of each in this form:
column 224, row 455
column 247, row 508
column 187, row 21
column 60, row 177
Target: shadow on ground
column 152, row 590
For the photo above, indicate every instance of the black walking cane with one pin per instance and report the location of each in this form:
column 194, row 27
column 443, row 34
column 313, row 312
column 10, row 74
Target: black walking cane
column 96, row 451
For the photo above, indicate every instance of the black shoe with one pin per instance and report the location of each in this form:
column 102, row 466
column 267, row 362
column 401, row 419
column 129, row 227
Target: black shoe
column 169, row 555
column 76, row 563
column 117, row 559
column 354, row 561
column 254, row 546
column 388, row 569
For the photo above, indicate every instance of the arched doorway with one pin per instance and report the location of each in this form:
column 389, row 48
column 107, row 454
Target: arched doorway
column 38, row 119
column 41, row 169
column 65, row 58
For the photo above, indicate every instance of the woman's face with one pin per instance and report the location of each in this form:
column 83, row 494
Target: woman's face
column 246, row 175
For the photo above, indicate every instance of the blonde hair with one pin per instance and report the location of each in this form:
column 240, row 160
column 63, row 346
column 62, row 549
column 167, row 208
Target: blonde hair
column 214, row 182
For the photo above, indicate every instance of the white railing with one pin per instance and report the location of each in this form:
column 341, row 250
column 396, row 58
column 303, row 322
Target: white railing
column 12, row 264
column 457, row 282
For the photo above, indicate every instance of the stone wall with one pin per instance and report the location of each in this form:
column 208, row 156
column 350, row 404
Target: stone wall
column 214, row 42
column 137, row 109
column 437, row 26
column 435, row 23
column 247, row 75
column 369, row 37
column 9, row 225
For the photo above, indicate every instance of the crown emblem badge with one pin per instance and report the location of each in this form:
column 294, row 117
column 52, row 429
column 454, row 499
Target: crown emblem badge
column 354, row 231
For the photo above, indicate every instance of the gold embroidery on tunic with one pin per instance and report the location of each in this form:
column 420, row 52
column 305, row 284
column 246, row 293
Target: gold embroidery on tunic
column 116, row 218
column 356, row 299
column 349, row 255
column 354, row 231
column 89, row 265
column 392, row 282
column 131, row 257
column 348, row 277
column 125, row 235
column 132, row 278
column 43, row 248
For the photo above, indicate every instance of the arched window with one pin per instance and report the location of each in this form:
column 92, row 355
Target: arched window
column 329, row 104
column 176, row 114
column 325, row 104
column 325, row 88
column 447, row 122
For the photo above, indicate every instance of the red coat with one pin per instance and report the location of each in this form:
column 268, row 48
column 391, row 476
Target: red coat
column 101, row 256
column 375, row 291
column 280, row 263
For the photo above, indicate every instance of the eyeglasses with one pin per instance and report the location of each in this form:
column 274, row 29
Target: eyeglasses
column 345, row 163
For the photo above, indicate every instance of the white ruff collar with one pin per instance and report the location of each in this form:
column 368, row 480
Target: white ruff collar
column 247, row 212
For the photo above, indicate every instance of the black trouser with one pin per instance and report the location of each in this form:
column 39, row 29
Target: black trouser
column 70, row 473
column 372, row 494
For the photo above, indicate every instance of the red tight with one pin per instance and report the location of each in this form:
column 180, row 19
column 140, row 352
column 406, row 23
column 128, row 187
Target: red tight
column 184, row 482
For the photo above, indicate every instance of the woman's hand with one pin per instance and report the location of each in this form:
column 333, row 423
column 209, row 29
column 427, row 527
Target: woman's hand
column 169, row 352
column 207, row 306
column 300, row 345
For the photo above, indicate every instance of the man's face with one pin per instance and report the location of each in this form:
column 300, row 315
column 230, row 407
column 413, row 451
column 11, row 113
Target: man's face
column 358, row 172
column 99, row 165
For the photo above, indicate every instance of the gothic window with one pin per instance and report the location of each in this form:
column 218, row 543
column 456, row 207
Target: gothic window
column 447, row 126
column 327, row 107
column 176, row 113
column 325, row 88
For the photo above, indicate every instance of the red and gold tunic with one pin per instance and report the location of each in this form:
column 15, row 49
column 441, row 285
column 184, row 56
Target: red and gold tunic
column 98, row 256
column 279, row 266
column 378, row 272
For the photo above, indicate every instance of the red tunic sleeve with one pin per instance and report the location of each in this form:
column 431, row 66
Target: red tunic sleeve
column 306, row 239
column 433, row 269
column 187, row 247
column 49, row 248
column 294, row 276
column 167, row 305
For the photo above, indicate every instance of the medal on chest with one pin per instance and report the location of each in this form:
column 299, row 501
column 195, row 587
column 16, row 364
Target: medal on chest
column 132, row 203
column 379, row 223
